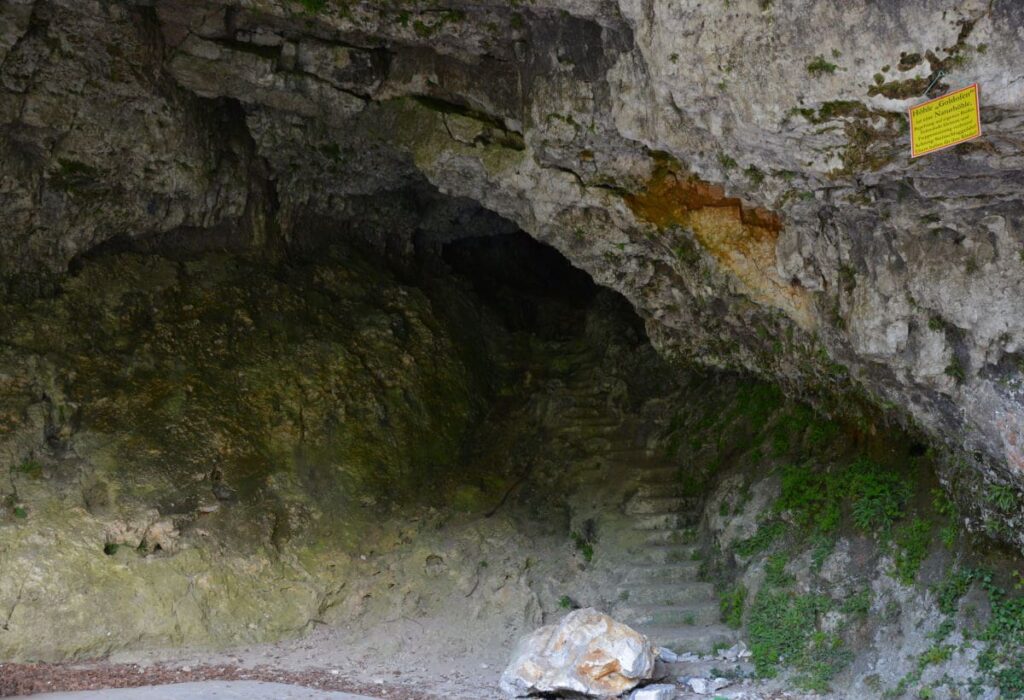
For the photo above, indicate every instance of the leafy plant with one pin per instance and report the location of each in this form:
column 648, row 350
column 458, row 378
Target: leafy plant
column 953, row 588
column 819, row 66
column 858, row 604
column 781, row 626
column 766, row 534
column 912, row 540
column 820, row 661
column 878, row 496
column 313, row 6
column 775, row 571
column 955, row 369
column 584, row 546
column 30, row 468
column 811, row 498
column 730, row 606
column 1002, row 497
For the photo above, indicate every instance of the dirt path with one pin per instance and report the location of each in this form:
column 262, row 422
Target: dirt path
column 207, row 690
column 30, row 679
column 401, row 660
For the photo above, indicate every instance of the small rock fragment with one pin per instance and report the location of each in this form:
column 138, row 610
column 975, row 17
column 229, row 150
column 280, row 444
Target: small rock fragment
column 706, row 686
column 667, row 655
column 719, row 683
column 659, row 691
column 736, row 652
column 698, row 685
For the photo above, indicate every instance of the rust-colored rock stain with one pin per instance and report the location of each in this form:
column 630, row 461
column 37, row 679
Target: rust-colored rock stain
column 741, row 238
column 603, row 670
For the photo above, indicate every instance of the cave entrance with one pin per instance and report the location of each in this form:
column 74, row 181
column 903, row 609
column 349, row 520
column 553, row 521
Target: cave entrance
column 582, row 449
column 530, row 285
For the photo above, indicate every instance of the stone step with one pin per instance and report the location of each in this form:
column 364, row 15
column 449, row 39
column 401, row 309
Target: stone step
column 573, row 421
column 595, row 444
column 683, row 536
column 656, row 505
column 627, row 450
column 585, row 391
column 587, row 404
column 673, row 487
column 654, row 474
column 656, row 573
column 694, row 613
column 665, row 554
column 681, row 594
column 664, row 521
column 582, row 429
column 700, row 639
column 589, row 411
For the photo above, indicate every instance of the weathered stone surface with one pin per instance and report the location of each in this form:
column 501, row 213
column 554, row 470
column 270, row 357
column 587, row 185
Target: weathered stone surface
column 739, row 172
column 194, row 452
column 586, row 652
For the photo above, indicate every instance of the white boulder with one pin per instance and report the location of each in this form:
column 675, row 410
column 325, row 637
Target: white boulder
column 587, row 652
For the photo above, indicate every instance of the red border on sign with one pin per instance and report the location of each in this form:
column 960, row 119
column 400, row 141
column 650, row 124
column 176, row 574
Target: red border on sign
column 977, row 111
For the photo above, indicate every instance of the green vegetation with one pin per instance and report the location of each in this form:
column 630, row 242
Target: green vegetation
column 754, row 174
column 313, row 6
column 945, row 507
column 761, row 540
column 877, row 497
column 953, row 588
column 565, row 602
column 1002, row 497
column 782, row 626
column 819, row 66
column 857, row 604
column 584, row 545
column 955, row 369
column 912, row 540
column 730, row 605
column 30, row 468
column 820, row 661
column 775, row 571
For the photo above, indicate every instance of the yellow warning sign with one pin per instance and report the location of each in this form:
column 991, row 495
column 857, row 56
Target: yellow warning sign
column 945, row 122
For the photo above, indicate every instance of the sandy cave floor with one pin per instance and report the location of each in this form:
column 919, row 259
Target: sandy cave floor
column 329, row 659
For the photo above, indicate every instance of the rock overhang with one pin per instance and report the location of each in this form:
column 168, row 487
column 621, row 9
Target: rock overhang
column 747, row 189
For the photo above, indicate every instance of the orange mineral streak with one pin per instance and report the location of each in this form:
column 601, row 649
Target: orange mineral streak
column 741, row 238
column 603, row 670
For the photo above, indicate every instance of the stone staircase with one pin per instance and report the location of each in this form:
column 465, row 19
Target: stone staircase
column 661, row 594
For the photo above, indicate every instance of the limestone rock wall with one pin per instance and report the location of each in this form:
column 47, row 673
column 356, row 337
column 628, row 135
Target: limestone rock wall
column 739, row 172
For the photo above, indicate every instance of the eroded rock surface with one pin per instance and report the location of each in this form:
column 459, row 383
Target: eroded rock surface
column 739, row 172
